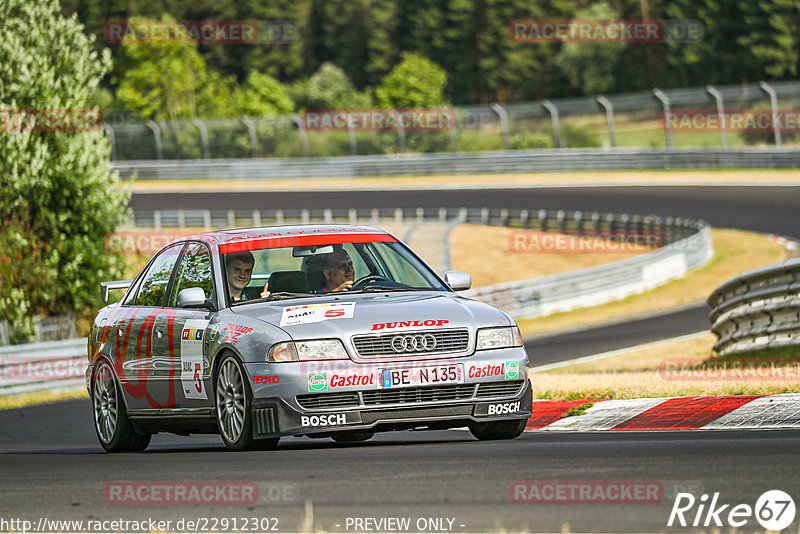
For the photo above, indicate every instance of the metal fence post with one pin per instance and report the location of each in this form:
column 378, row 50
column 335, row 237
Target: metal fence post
column 543, row 220
column 251, row 129
column 110, row 131
column 606, row 103
column 451, row 124
column 301, row 127
column 553, row 110
column 207, row 219
column 203, row 136
column 351, row 132
column 773, row 103
column 503, row 116
column 156, row 138
column 401, row 133
column 659, row 94
column 721, row 113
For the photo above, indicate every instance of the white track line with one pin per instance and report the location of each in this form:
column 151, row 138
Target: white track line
column 618, row 352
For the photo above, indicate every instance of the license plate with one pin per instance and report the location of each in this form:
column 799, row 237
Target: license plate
column 420, row 376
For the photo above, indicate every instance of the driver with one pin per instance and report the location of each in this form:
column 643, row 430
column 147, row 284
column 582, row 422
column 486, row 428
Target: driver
column 337, row 268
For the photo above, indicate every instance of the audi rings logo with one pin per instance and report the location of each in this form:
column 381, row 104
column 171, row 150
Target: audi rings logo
column 413, row 343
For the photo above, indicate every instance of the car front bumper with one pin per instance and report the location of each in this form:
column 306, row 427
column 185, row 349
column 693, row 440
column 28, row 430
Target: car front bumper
column 285, row 402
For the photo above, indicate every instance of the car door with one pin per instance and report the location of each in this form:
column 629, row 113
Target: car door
column 191, row 379
column 142, row 363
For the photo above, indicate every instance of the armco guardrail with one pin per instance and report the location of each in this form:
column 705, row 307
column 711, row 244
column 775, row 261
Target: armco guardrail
column 37, row 366
column 690, row 246
column 687, row 245
column 511, row 161
column 61, row 364
column 758, row 309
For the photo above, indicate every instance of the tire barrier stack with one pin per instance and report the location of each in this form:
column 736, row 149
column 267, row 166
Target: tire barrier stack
column 759, row 309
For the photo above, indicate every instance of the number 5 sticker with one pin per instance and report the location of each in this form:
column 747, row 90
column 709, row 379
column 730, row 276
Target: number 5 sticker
column 192, row 359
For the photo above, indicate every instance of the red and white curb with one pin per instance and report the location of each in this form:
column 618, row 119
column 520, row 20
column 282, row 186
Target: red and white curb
column 732, row 412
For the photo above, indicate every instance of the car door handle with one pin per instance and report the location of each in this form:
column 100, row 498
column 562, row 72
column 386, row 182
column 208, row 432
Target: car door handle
column 160, row 332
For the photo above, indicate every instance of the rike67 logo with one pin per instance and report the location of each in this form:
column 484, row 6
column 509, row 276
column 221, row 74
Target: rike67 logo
column 774, row 510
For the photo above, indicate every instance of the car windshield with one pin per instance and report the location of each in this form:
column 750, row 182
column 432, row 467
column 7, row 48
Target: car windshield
column 306, row 270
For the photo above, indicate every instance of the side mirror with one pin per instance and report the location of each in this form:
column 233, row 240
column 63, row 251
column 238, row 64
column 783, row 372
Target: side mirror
column 194, row 297
column 458, row 280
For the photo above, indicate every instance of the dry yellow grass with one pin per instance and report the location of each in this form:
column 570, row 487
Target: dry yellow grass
column 460, row 182
column 735, row 251
column 658, row 371
column 41, row 397
column 497, row 262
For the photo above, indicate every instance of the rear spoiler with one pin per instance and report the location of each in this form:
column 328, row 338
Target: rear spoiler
column 116, row 284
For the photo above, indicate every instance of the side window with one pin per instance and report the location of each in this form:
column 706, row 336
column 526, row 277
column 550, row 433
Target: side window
column 194, row 271
column 154, row 285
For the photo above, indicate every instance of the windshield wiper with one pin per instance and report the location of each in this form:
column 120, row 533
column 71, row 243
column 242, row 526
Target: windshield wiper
column 382, row 289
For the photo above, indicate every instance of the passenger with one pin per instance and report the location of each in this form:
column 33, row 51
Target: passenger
column 239, row 271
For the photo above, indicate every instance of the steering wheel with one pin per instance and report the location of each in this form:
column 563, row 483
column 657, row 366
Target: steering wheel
column 364, row 281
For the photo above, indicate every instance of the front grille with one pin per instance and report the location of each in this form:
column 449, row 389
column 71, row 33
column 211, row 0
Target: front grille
column 318, row 401
column 418, row 394
column 499, row 389
column 381, row 345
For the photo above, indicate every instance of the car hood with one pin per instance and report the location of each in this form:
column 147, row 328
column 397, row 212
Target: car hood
column 376, row 313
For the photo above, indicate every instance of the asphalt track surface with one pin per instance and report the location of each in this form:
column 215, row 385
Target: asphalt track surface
column 760, row 209
column 769, row 209
column 53, row 467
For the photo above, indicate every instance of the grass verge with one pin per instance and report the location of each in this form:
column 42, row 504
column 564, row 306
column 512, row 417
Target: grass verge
column 41, row 397
column 673, row 369
column 735, row 251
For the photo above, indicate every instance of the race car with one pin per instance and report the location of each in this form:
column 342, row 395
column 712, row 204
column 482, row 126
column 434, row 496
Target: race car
column 333, row 331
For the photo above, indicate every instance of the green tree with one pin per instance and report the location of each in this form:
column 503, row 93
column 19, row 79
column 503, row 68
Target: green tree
column 59, row 199
column 330, row 88
column 263, row 96
column 415, row 82
column 590, row 66
column 170, row 81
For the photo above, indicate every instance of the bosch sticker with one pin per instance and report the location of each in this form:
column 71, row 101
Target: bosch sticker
column 314, row 313
column 192, row 359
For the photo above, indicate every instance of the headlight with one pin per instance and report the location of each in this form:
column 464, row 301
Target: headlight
column 498, row 338
column 283, row 352
column 318, row 349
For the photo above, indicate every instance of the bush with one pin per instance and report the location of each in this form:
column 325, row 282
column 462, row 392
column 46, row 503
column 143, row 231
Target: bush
column 58, row 196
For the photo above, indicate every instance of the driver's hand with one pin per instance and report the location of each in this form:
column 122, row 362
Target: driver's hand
column 265, row 293
column 345, row 286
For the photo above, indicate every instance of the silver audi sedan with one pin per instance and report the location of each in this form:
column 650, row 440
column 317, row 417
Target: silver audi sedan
column 322, row 331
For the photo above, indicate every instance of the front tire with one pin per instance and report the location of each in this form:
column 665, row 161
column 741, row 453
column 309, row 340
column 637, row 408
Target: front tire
column 498, row 429
column 351, row 436
column 233, row 401
column 114, row 429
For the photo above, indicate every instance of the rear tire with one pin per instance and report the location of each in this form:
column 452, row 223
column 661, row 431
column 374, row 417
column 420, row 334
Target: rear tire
column 350, row 436
column 114, row 429
column 498, row 429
